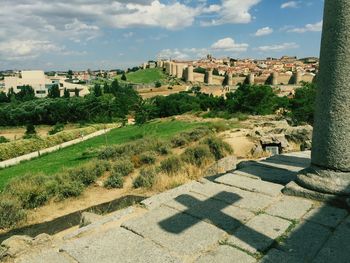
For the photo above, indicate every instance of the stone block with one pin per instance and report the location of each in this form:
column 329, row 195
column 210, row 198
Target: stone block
column 88, row 218
column 336, row 248
column 178, row 232
column 259, row 233
column 326, row 215
column 290, row 207
column 226, row 254
column 304, row 241
column 250, row 184
column 222, row 166
column 216, row 212
column 277, row 256
column 243, row 199
column 116, row 245
column 45, row 256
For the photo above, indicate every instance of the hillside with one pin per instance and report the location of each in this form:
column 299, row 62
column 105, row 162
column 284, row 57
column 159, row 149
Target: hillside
column 145, row 76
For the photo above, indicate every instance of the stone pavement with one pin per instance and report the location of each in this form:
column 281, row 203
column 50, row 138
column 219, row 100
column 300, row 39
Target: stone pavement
column 237, row 217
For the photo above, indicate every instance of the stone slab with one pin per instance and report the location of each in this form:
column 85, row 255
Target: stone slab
column 218, row 213
column 326, row 215
column 45, row 256
column 259, row 233
column 336, row 248
column 277, row 256
column 117, row 245
column 226, row 254
column 250, row 184
column 115, row 216
column 234, row 196
column 159, row 199
column 290, row 207
column 178, row 232
column 267, row 173
column 292, row 162
column 305, row 241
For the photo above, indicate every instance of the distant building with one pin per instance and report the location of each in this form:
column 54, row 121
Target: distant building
column 41, row 83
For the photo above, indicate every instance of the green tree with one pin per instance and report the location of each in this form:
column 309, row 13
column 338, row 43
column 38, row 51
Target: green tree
column 76, row 92
column 30, row 131
column 123, row 77
column 158, row 84
column 26, row 93
column 106, row 88
column 70, row 74
column 97, row 91
column 54, row 91
column 66, row 93
column 3, row 97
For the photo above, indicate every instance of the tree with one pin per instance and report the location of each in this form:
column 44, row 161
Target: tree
column 106, row 88
column 123, row 77
column 158, row 84
column 54, row 91
column 70, row 74
column 26, row 93
column 115, row 87
column 97, row 91
column 66, row 93
column 76, row 92
column 3, row 97
column 30, row 131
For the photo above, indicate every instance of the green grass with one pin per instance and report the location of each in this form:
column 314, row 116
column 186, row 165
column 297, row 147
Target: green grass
column 145, row 76
column 73, row 155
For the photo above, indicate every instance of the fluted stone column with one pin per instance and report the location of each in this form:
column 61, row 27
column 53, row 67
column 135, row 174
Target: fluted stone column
column 209, row 77
column 274, row 78
column 229, row 79
column 189, row 75
column 330, row 168
column 251, row 79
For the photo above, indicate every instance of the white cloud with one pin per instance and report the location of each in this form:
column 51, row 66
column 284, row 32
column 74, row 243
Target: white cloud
column 317, row 27
column 173, row 54
column 263, row 31
column 228, row 44
column 233, row 12
column 277, row 47
column 290, row 4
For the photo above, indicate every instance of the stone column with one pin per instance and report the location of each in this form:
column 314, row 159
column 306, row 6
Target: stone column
column 229, row 79
column 189, row 75
column 179, row 71
column 172, row 69
column 209, row 76
column 330, row 168
column 251, row 79
column 274, row 78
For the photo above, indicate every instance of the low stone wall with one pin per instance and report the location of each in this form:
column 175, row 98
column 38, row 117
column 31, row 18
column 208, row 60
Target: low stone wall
column 30, row 156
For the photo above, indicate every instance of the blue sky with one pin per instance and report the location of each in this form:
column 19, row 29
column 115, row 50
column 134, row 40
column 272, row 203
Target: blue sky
column 105, row 34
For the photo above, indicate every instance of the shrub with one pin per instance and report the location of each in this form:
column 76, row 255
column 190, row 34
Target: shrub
column 56, row 129
column 198, row 155
column 219, row 126
column 218, row 147
column 146, row 178
column 116, row 180
column 30, row 190
column 179, row 141
column 3, row 139
column 123, row 167
column 66, row 187
column 84, row 174
column 11, row 212
column 164, row 149
column 197, row 134
column 148, row 157
column 171, row 165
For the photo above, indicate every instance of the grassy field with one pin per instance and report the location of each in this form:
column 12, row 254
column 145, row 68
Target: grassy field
column 72, row 156
column 145, row 76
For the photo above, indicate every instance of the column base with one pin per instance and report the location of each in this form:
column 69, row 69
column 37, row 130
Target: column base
column 325, row 180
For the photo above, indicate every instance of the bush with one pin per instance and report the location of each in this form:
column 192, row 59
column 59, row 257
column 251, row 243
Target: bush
column 66, row 187
column 56, row 129
column 11, row 212
column 198, row 155
column 219, row 126
column 197, row 134
column 171, row 165
column 116, row 180
column 85, row 175
column 148, row 157
column 218, row 147
column 31, row 190
column 164, row 149
column 123, row 167
column 179, row 141
column 3, row 139
column 146, row 178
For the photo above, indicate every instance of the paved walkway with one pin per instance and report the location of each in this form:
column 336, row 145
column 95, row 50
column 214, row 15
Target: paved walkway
column 237, row 217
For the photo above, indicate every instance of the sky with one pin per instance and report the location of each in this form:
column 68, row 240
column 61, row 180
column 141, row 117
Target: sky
column 110, row 34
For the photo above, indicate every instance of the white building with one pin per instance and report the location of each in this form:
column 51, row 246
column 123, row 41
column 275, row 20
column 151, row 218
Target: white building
column 41, row 83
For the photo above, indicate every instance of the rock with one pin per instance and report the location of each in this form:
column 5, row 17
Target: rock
column 87, row 218
column 275, row 139
column 42, row 239
column 16, row 245
column 257, row 151
column 222, row 166
column 299, row 134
